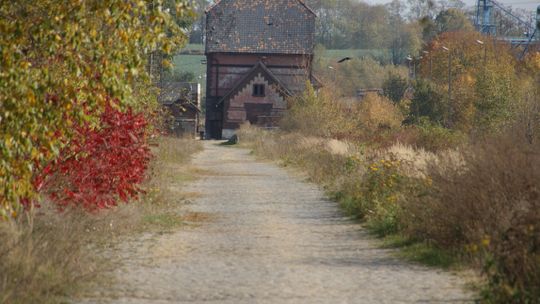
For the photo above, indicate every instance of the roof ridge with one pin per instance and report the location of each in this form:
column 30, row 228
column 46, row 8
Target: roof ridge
column 306, row 6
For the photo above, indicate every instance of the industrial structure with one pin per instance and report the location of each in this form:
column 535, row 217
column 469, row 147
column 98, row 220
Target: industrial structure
column 485, row 23
column 258, row 52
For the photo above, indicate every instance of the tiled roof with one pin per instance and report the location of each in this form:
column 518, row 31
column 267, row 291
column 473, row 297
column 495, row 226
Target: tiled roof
column 260, row 26
column 171, row 92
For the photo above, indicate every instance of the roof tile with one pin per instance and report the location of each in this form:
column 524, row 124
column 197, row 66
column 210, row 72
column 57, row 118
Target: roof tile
column 260, row 26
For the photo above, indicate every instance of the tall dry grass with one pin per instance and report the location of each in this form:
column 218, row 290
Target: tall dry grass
column 47, row 256
column 490, row 206
column 477, row 198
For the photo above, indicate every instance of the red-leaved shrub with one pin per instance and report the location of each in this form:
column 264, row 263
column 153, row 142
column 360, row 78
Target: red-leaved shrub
column 100, row 166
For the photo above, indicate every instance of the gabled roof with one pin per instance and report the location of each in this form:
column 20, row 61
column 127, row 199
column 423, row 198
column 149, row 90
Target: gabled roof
column 260, row 26
column 259, row 68
column 171, row 92
column 190, row 105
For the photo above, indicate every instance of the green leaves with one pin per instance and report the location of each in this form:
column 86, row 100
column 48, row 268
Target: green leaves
column 60, row 60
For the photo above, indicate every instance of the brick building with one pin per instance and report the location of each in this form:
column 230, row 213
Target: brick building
column 259, row 52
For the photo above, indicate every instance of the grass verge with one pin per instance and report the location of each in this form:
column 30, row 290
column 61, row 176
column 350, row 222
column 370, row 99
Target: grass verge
column 47, row 257
column 422, row 252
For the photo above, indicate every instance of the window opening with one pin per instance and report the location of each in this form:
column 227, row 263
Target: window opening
column 258, row 90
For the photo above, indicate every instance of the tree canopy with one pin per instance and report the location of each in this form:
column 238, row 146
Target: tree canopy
column 62, row 62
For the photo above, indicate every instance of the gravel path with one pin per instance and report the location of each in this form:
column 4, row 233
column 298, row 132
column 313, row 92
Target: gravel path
column 268, row 238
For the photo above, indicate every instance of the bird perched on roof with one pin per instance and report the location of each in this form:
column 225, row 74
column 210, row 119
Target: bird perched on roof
column 344, row 59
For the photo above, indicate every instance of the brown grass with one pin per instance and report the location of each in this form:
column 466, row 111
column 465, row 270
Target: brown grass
column 478, row 204
column 47, row 257
column 491, row 207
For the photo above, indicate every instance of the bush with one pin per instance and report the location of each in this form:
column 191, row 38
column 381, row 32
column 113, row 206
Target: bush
column 100, row 166
column 320, row 114
column 427, row 102
column 394, row 87
column 55, row 63
column 490, row 206
column 434, row 137
column 377, row 112
column 376, row 197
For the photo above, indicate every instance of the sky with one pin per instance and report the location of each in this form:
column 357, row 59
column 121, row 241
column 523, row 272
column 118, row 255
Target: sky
column 525, row 4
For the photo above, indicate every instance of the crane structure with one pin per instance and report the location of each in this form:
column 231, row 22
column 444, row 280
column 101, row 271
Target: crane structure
column 485, row 23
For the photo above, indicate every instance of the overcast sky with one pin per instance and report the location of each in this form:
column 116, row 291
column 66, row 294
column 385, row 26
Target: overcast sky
column 526, row 4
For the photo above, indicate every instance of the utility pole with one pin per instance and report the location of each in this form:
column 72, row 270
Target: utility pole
column 451, row 105
column 426, row 53
column 480, row 42
column 410, row 60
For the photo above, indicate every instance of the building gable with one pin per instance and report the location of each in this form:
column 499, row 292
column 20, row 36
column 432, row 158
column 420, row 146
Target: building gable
column 259, row 70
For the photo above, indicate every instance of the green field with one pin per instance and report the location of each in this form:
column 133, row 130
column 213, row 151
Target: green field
column 191, row 63
column 184, row 63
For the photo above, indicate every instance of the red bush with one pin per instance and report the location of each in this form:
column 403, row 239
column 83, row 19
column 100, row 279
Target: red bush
column 101, row 166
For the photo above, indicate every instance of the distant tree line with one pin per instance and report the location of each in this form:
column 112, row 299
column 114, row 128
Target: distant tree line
column 400, row 26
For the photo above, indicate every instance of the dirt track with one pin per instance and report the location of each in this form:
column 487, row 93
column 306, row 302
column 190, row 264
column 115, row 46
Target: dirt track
column 264, row 236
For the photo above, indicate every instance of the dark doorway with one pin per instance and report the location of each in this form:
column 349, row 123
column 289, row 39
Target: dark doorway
column 214, row 129
column 254, row 110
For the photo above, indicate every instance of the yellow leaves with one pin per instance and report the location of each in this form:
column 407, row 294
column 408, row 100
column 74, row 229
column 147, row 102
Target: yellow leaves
column 31, row 97
column 25, row 64
column 123, row 35
column 93, row 33
column 83, row 59
column 473, row 248
column 167, row 64
column 166, row 48
column 4, row 213
column 8, row 141
column 34, row 154
column 486, row 241
column 468, row 79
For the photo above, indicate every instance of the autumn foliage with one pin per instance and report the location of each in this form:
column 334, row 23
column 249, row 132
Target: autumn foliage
column 101, row 165
column 59, row 57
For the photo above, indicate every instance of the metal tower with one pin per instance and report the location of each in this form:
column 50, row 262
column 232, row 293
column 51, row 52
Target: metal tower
column 484, row 17
column 485, row 23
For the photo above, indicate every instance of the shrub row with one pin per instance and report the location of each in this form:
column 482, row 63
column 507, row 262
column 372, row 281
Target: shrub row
column 480, row 203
